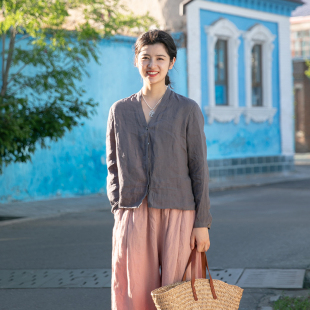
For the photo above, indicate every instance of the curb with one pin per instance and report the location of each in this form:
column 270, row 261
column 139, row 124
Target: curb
column 47, row 216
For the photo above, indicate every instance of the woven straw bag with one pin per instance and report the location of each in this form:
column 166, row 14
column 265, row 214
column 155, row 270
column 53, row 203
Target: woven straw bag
column 203, row 294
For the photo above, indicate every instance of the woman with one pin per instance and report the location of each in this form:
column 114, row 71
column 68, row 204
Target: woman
column 157, row 180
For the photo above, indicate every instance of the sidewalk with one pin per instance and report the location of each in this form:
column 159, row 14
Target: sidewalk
column 302, row 159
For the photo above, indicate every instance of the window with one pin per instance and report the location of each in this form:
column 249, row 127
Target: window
column 257, row 88
column 258, row 48
column 222, row 67
column 301, row 44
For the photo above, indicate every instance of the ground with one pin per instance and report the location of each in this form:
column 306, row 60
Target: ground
column 263, row 226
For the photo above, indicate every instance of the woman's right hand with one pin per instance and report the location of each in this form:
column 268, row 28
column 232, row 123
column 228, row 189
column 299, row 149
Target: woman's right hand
column 200, row 238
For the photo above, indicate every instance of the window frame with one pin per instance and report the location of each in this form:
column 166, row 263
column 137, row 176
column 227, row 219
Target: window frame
column 259, row 34
column 226, row 30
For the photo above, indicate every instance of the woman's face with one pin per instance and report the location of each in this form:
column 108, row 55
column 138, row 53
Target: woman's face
column 153, row 63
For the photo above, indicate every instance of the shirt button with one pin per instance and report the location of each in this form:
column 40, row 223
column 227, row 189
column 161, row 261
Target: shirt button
column 148, row 143
column 147, row 128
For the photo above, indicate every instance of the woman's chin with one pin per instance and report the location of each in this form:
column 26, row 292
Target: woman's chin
column 154, row 81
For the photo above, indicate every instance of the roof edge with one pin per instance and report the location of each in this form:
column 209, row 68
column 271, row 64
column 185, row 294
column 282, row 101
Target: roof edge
column 184, row 3
column 182, row 6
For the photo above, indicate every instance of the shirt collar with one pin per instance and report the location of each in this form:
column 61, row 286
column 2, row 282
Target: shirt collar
column 164, row 100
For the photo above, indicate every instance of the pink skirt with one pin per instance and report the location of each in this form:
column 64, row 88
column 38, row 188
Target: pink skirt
column 151, row 248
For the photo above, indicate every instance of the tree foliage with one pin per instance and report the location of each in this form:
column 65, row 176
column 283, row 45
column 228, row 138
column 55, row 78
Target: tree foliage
column 54, row 40
column 307, row 72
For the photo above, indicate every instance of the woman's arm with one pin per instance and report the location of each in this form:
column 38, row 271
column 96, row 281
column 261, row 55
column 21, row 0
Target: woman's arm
column 199, row 173
column 112, row 178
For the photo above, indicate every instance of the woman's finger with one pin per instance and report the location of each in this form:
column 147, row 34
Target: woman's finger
column 200, row 247
column 192, row 242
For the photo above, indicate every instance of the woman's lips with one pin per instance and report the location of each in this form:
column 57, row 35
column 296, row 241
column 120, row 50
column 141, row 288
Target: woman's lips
column 152, row 74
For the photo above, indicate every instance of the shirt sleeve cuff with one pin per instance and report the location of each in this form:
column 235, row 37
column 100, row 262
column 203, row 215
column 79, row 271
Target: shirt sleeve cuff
column 114, row 207
column 199, row 224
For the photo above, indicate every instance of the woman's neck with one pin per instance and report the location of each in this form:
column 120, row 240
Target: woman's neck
column 154, row 92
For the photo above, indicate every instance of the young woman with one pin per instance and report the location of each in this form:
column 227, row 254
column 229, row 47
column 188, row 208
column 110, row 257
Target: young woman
column 157, row 180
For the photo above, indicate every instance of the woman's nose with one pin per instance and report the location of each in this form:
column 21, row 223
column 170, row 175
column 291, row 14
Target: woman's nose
column 151, row 64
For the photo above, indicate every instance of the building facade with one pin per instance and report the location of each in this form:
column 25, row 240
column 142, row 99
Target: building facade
column 300, row 48
column 234, row 60
column 300, row 37
column 238, row 72
column 302, row 107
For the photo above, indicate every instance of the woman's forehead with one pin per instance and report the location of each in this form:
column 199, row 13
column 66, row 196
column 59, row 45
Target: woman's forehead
column 154, row 49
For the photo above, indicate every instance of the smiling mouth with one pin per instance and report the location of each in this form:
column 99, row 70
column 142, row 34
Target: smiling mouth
column 152, row 73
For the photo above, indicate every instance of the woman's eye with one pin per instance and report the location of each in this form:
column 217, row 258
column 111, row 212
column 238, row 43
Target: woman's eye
column 160, row 59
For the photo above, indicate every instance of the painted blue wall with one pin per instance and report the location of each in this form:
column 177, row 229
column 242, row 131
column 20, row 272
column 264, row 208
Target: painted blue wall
column 76, row 165
column 228, row 140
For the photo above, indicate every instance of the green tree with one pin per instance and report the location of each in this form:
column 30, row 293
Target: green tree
column 54, row 40
column 307, row 72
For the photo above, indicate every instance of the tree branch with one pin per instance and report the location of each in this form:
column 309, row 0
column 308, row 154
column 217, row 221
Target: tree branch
column 14, row 92
column 22, row 38
column 8, row 61
column 10, row 80
column 3, row 45
column 3, row 55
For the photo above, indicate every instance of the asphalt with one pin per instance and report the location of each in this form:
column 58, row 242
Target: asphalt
column 265, row 226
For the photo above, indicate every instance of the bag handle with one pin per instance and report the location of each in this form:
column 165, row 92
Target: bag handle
column 204, row 263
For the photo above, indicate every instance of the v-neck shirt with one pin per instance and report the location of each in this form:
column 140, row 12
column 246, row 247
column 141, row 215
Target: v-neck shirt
column 165, row 159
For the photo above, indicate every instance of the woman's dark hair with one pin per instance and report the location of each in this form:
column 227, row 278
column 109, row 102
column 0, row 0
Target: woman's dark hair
column 157, row 36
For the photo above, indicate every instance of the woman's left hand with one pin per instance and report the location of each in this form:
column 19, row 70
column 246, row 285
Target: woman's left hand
column 200, row 237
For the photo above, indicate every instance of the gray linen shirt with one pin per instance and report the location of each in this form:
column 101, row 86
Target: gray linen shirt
column 165, row 159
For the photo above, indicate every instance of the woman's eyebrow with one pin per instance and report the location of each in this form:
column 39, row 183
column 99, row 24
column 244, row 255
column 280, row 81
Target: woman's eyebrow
column 155, row 55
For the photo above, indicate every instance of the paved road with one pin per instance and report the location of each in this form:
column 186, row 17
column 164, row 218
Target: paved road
column 262, row 227
column 258, row 227
column 71, row 241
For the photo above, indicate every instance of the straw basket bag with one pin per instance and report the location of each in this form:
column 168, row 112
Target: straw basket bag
column 202, row 294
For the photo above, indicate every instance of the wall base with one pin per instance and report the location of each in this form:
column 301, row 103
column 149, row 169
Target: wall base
column 250, row 166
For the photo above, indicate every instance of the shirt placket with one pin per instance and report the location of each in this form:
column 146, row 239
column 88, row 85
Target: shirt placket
column 148, row 158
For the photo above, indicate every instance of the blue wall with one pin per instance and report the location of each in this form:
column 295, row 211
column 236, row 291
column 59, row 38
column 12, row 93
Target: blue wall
column 76, row 165
column 227, row 140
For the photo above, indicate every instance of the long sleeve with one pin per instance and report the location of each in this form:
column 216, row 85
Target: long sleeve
column 112, row 178
column 198, row 166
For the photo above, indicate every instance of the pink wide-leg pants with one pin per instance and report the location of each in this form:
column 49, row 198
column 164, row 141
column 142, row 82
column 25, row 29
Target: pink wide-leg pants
column 145, row 239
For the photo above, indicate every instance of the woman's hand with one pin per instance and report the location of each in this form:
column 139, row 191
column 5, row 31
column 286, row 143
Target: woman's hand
column 200, row 237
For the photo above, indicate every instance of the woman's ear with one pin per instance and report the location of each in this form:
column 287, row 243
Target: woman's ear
column 172, row 62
